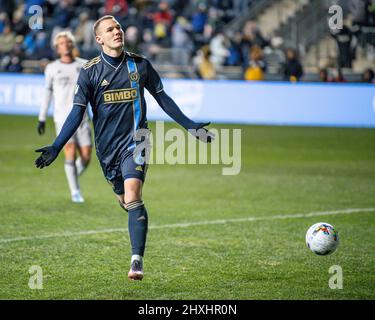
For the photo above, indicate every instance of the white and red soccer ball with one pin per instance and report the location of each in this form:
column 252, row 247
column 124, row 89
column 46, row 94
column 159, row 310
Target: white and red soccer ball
column 322, row 238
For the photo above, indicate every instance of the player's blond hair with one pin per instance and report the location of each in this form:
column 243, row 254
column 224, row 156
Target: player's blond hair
column 66, row 34
column 97, row 23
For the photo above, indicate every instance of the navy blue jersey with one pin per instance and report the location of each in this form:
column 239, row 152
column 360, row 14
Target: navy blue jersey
column 116, row 95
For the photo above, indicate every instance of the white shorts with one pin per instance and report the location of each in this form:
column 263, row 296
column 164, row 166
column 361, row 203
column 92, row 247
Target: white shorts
column 82, row 137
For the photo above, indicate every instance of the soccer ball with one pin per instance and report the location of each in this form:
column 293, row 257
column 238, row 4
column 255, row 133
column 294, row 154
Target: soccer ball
column 322, row 238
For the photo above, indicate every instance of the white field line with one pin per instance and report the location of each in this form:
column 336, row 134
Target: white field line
column 191, row 224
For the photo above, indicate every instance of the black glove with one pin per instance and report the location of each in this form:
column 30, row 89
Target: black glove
column 41, row 127
column 49, row 154
column 201, row 133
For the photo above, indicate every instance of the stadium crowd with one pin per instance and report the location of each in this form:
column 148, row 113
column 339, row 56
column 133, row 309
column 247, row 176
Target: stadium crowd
column 194, row 30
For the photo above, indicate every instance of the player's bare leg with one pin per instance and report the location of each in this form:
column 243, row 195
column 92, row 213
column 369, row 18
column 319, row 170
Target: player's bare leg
column 121, row 201
column 137, row 225
column 84, row 159
column 71, row 172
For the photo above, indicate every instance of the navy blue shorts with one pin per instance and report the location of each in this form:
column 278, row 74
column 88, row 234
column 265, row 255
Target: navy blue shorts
column 129, row 167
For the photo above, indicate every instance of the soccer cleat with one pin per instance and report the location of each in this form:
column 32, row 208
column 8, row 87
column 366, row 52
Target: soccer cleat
column 136, row 270
column 77, row 197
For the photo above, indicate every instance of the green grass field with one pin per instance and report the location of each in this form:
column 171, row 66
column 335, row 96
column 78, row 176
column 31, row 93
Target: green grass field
column 191, row 254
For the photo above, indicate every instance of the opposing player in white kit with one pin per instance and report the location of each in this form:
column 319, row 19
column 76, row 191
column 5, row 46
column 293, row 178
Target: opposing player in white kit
column 61, row 78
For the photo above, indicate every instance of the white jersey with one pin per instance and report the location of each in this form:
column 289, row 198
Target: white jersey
column 60, row 83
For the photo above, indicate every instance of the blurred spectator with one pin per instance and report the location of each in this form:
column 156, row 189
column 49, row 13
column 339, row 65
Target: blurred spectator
column 116, row 8
column 179, row 7
column 30, row 3
column 20, row 25
column 83, row 33
column 323, row 75
column 36, row 45
column 163, row 14
column 205, row 69
column 371, row 13
column 180, row 34
column 63, row 13
column 368, row 76
column 251, row 36
column 346, row 51
column 213, row 22
column 148, row 46
column 94, row 8
column 293, row 70
column 235, row 54
column 3, row 21
column 359, row 11
column 276, row 54
column 226, row 9
column 7, row 39
column 29, row 44
column 199, row 18
column 337, row 76
column 7, row 7
column 42, row 48
column 219, row 49
column 133, row 19
column 132, row 39
column 162, row 24
column 182, row 43
column 11, row 62
column 257, row 66
column 240, row 6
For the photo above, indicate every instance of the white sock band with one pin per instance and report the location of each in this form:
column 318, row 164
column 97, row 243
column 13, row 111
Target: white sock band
column 71, row 176
column 136, row 257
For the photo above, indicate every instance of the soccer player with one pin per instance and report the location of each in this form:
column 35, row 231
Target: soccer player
column 114, row 85
column 61, row 78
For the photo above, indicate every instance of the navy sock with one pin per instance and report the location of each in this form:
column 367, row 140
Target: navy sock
column 137, row 225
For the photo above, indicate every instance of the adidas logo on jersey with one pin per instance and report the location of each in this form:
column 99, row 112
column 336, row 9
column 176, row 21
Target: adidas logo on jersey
column 139, row 168
column 104, row 83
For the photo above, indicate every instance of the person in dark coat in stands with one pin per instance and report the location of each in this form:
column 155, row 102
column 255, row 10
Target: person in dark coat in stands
column 293, row 70
column 346, row 52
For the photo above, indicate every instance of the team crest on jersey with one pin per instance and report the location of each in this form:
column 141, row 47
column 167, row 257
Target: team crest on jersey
column 134, row 76
column 140, row 160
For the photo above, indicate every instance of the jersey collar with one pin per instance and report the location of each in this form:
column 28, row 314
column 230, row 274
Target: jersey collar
column 106, row 60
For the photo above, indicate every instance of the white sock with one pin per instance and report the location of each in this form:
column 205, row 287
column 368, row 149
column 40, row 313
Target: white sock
column 80, row 166
column 136, row 257
column 71, row 175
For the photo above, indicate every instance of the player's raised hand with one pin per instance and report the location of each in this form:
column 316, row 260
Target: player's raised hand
column 201, row 133
column 41, row 127
column 49, row 154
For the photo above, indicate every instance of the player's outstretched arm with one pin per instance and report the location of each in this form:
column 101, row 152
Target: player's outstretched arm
column 71, row 124
column 195, row 128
